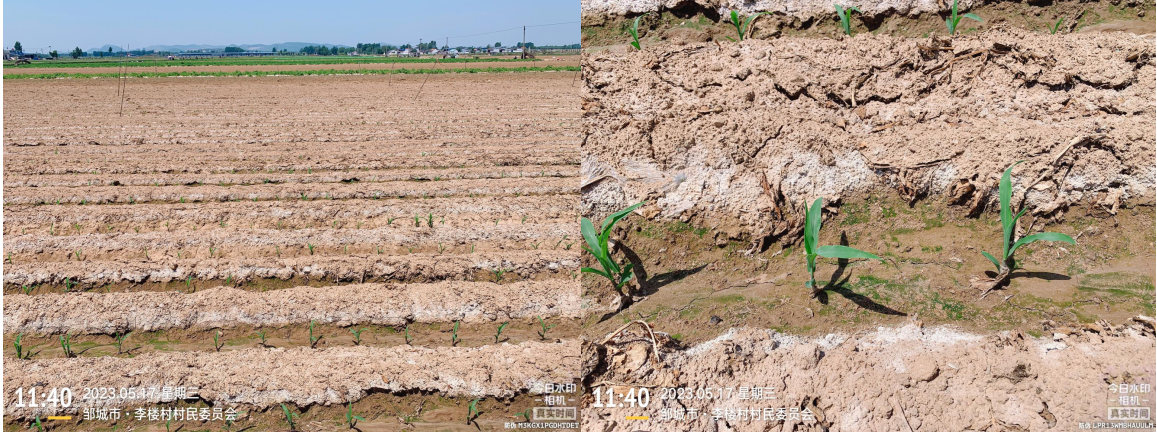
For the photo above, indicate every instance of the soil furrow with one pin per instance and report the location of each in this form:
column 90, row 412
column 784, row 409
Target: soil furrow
column 361, row 214
column 265, row 377
column 187, row 274
column 114, row 194
column 376, row 176
column 222, row 307
column 220, row 243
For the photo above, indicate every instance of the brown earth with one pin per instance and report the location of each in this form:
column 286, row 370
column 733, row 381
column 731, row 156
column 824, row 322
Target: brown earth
column 488, row 163
column 161, row 67
column 346, row 305
column 266, row 377
column 895, row 378
column 696, row 129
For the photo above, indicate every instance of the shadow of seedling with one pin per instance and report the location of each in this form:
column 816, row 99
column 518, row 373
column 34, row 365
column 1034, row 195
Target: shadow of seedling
column 839, row 286
column 648, row 285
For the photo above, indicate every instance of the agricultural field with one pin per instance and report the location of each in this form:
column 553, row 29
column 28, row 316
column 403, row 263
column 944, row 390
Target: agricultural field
column 296, row 247
column 834, row 219
column 266, row 65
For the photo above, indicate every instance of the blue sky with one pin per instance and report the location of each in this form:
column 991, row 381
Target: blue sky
column 63, row 25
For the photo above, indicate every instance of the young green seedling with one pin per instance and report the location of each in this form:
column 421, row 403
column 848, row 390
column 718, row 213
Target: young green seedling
column 954, row 20
column 20, row 353
column 66, row 345
column 120, row 341
column 289, row 416
column 1057, row 26
column 310, row 246
column 473, row 413
column 846, row 17
column 1008, row 224
column 742, row 28
column 407, row 335
column 39, row 427
column 545, row 328
column 217, row 344
column 498, row 274
column 454, row 334
column 430, row 220
column 811, row 234
column 597, row 246
column 313, row 340
column 498, row 335
column 350, row 418
column 357, row 335
column 263, row 343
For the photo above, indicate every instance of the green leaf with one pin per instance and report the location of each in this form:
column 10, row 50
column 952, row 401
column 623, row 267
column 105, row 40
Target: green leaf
column 1046, row 236
column 1006, row 219
column 973, row 16
column 836, row 251
column 853, row 8
column 991, row 258
column 588, row 230
column 811, row 230
column 614, row 217
column 595, row 271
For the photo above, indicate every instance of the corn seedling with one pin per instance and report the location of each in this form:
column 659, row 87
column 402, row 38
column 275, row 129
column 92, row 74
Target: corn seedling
column 39, row 427
column 147, row 255
column 417, row 221
column 357, row 335
column 742, row 28
column 1008, row 224
column 560, row 241
column 454, row 334
column 289, row 416
column 441, row 248
column 525, row 414
column 407, row 335
column 229, row 280
column 120, row 341
column 20, row 353
column 534, row 245
column 277, row 250
column 811, row 235
column 846, row 17
column 597, row 246
column 390, row 221
column 473, row 413
column 545, row 328
column 212, row 250
column 498, row 274
column 68, row 284
column 310, row 246
column 28, row 288
column 189, row 283
column 498, row 335
column 313, row 340
column 430, row 220
column 66, row 345
column 380, row 250
column 524, row 219
column 350, row 418
column 217, row 345
column 1057, row 26
column 954, row 20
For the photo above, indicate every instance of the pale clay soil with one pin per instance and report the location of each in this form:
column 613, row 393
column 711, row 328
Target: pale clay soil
column 264, row 378
column 894, row 378
column 493, row 157
column 345, row 305
column 695, row 129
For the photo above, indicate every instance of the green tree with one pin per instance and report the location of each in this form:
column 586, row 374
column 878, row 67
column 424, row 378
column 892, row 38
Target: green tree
column 498, row 44
column 273, row 50
column 231, row 49
column 53, row 54
column 18, row 47
column 76, row 53
column 110, row 50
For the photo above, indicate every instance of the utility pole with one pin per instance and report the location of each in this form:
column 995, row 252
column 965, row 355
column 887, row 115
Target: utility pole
column 524, row 50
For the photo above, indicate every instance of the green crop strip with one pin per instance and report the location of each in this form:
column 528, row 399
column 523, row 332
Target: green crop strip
column 56, row 75
column 258, row 62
